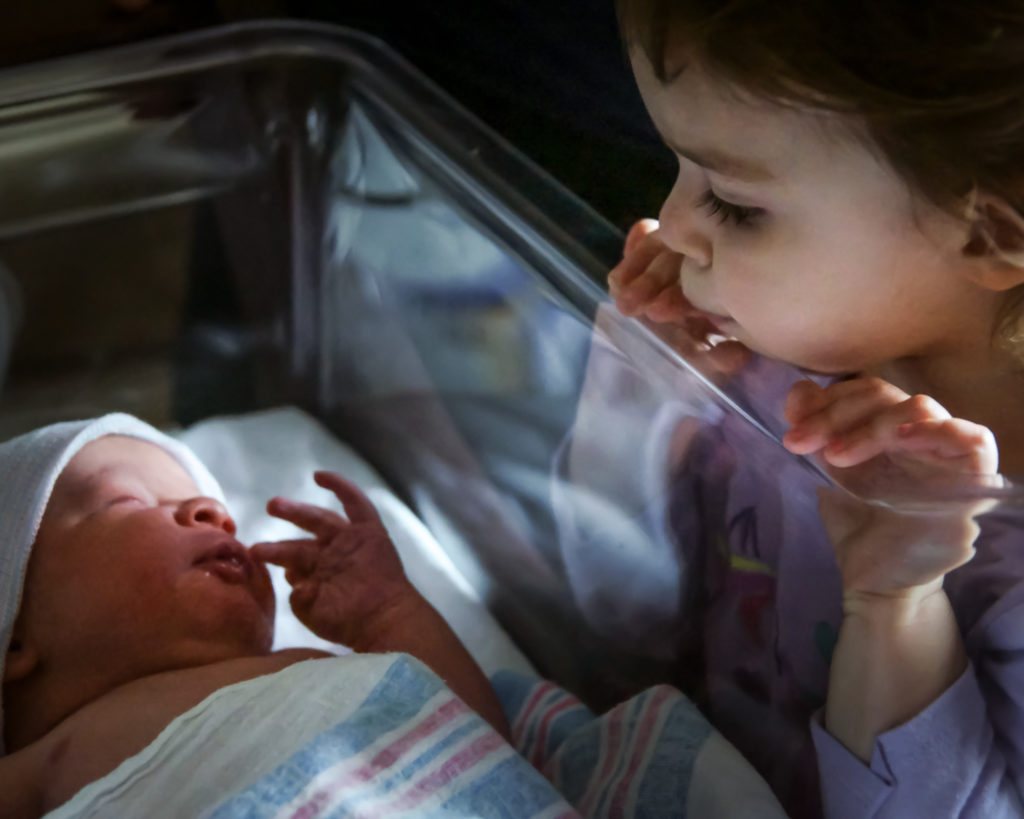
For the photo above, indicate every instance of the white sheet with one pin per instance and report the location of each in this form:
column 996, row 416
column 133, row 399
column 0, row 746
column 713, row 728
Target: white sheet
column 275, row 452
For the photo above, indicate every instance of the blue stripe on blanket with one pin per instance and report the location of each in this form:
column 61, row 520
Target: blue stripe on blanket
column 511, row 790
column 399, row 696
column 456, row 741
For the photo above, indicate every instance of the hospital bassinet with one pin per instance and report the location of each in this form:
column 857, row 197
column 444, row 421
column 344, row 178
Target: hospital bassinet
column 284, row 214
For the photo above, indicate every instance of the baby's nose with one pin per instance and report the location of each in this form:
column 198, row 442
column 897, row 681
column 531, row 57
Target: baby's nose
column 204, row 511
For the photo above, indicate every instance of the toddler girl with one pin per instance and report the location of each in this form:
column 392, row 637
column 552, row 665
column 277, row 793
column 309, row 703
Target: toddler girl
column 849, row 200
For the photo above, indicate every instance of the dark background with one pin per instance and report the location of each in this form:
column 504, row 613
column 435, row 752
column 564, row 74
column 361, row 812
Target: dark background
column 550, row 76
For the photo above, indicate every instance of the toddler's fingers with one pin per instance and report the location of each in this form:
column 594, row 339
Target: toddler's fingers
column 881, row 433
column 358, row 507
column 849, row 405
column 662, row 273
column 638, row 231
column 803, row 398
column 321, row 522
column 970, row 446
column 640, row 256
column 294, row 555
column 670, row 305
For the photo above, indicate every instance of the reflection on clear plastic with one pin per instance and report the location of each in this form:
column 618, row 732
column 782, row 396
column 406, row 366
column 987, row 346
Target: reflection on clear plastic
column 10, row 317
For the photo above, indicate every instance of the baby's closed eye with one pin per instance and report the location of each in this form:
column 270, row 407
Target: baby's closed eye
column 121, row 499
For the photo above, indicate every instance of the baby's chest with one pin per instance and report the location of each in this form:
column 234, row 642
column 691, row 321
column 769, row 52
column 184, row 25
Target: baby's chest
column 102, row 735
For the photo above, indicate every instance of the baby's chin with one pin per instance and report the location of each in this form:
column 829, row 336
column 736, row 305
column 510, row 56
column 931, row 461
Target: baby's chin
column 238, row 631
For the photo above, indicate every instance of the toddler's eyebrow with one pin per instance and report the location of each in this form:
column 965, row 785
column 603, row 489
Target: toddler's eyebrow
column 724, row 164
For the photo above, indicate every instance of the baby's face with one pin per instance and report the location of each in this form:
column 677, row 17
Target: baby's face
column 802, row 241
column 132, row 567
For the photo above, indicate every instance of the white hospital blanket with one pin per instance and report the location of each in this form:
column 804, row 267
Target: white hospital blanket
column 365, row 735
column 274, row 452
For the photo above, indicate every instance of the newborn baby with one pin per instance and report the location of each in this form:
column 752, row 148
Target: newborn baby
column 127, row 600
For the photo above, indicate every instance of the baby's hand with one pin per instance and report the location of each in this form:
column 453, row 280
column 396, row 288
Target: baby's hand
column 346, row 577
column 884, row 445
column 645, row 285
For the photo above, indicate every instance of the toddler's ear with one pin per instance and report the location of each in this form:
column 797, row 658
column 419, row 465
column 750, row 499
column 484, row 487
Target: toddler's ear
column 22, row 658
column 995, row 244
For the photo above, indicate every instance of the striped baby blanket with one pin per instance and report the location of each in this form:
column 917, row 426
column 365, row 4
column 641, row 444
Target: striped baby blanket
column 654, row 755
column 375, row 735
column 365, row 735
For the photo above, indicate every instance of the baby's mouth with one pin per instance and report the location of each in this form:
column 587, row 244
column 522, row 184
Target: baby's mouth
column 229, row 561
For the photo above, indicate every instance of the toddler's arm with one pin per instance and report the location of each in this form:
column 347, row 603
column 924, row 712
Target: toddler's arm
column 349, row 587
column 900, row 648
column 899, row 645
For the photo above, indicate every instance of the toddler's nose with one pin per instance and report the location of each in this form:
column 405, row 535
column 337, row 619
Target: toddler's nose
column 683, row 230
column 204, row 511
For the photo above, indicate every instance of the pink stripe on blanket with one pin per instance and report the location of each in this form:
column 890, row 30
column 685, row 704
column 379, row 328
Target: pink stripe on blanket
column 611, row 737
column 384, row 758
column 526, row 711
column 455, row 767
column 540, row 737
column 651, row 721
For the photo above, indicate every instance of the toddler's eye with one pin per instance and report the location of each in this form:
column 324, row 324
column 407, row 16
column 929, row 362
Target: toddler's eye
column 125, row 499
column 739, row 215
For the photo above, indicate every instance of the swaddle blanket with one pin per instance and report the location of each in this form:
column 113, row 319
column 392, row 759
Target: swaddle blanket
column 365, row 735
column 374, row 735
column 653, row 756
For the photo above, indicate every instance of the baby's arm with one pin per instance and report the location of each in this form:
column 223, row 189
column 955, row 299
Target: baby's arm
column 21, row 784
column 349, row 587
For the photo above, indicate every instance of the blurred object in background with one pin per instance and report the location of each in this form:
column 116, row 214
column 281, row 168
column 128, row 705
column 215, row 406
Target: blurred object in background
column 36, row 31
column 551, row 78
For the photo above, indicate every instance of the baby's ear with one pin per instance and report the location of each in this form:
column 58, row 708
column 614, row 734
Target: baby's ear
column 22, row 658
column 995, row 244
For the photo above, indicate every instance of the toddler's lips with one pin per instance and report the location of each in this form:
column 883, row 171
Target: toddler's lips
column 228, row 560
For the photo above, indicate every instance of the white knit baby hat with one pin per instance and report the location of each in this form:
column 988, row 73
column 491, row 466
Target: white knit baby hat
column 29, row 467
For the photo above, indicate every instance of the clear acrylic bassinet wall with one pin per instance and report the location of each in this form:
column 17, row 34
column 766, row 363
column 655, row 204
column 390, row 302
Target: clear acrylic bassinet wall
column 279, row 214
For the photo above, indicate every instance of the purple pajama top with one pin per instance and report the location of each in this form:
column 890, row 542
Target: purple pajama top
column 717, row 558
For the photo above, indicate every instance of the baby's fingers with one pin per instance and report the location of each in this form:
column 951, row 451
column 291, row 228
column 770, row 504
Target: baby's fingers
column 358, row 507
column 298, row 557
column 321, row 522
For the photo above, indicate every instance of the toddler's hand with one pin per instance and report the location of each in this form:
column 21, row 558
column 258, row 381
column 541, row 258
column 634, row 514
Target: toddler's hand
column 645, row 285
column 646, row 281
column 346, row 577
column 886, row 446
